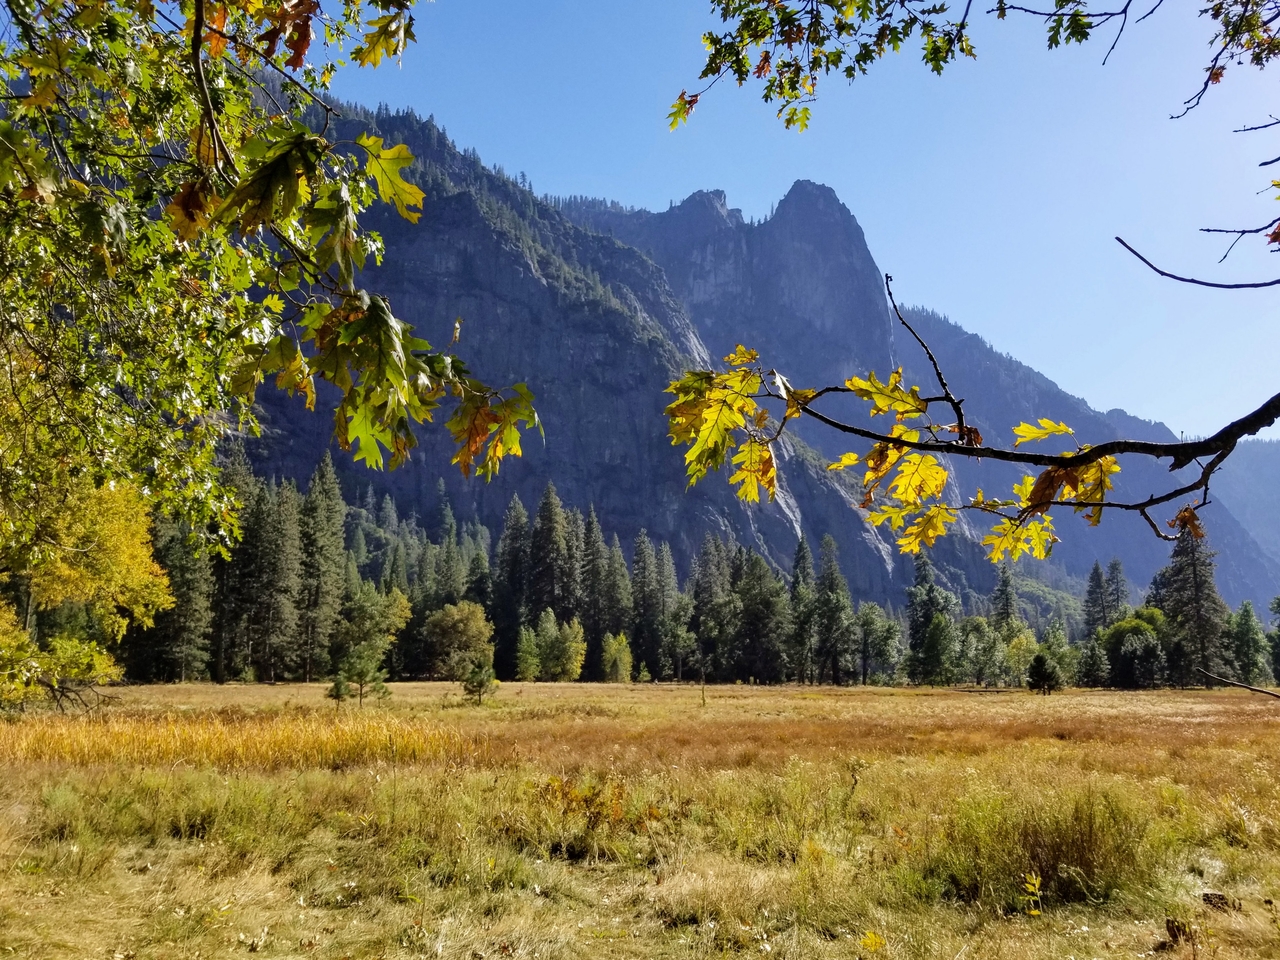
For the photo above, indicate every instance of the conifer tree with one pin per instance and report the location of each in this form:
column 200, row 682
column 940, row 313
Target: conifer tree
column 273, row 582
column 1044, row 675
column 322, row 530
column 575, row 546
column 646, row 608
column 176, row 646
column 1117, row 592
column 595, row 578
column 800, row 646
column 479, row 584
column 1250, row 648
column 617, row 590
column 1196, row 613
column 1095, row 602
column 925, row 599
column 510, row 583
column 230, row 584
column 832, row 616
column 388, row 517
column 561, row 648
column 395, row 568
column 763, row 623
column 548, row 556
column 1004, row 601
column 937, row 654
column 676, row 639
column 1093, row 670
column 714, row 617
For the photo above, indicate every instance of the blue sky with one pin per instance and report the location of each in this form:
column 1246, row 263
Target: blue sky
column 992, row 193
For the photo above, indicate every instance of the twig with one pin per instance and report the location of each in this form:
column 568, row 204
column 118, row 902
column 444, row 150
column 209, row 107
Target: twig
column 956, row 405
column 1237, row 683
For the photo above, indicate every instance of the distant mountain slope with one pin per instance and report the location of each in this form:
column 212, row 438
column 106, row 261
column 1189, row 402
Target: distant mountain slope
column 592, row 325
column 803, row 288
column 1248, row 486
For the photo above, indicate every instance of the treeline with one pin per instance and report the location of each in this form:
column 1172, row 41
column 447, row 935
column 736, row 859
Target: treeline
column 319, row 588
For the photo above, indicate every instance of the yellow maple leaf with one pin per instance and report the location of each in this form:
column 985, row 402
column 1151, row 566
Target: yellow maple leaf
column 888, row 397
column 920, row 477
column 1026, row 432
column 756, row 469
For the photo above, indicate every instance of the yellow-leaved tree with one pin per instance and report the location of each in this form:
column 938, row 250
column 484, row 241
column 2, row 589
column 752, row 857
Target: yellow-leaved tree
column 94, row 553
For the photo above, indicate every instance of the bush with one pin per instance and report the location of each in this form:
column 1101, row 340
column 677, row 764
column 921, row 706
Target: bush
column 458, row 638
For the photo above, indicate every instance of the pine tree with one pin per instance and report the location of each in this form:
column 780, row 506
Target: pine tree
column 230, row 594
column 274, row 557
column 714, row 616
column 575, row 545
column 925, row 599
column 1093, row 670
column 548, row 555
column 395, row 568
column 1250, row 648
column 561, row 648
column 595, row 577
column 646, row 608
column 832, row 616
column 1196, row 614
column 1004, row 601
column 176, row 647
column 1044, row 675
column 1117, row 592
column 388, row 518
column 322, row 529
column 763, row 623
column 1095, row 602
column 1273, row 636
column 937, row 654
column 510, row 584
column 479, row 584
column 800, row 645
column 676, row 639
column 617, row 590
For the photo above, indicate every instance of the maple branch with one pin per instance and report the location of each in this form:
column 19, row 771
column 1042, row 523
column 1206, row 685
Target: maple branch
column 1275, row 122
column 1241, row 234
column 1182, row 452
column 1202, row 283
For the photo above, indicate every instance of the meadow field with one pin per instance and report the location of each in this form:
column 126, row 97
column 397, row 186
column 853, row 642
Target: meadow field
column 574, row 820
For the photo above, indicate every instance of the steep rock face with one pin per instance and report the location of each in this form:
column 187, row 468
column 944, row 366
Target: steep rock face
column 595, row 330
column 803, row 288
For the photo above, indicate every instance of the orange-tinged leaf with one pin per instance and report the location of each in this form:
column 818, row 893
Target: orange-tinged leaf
column 1188, row 519
column 756, row 469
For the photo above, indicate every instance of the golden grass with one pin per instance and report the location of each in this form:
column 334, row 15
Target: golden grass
column 595, row 821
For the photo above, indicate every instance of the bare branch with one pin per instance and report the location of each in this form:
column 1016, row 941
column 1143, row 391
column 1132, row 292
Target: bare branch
column 956, row 405
column 1237, row 683
column 1200, row 283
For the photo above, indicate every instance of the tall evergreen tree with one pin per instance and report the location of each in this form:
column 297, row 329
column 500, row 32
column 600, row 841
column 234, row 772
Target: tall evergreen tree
column 936, row 658
column 595, row 578
column 674, row 613
column 714, row 615
column 832, row 616
column 548, row 556
column 763, row 622
column 230, row 584
column 388, row 516
column 395, row 568
column 176, row 646
column 575, row 545
column 479, row 583
column 1117, row 592
column 322, row 530
column 1196, row 613
column 273, row 557
column 510, row 585
column 1004, row 601
column 1249, row 646
column 1095, row 602
column 1093, row 670
column 617, row 590
column 646, row 609
column 801, row 651
column 925, row 599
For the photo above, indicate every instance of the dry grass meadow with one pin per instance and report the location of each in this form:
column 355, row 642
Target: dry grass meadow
column 608, row 821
